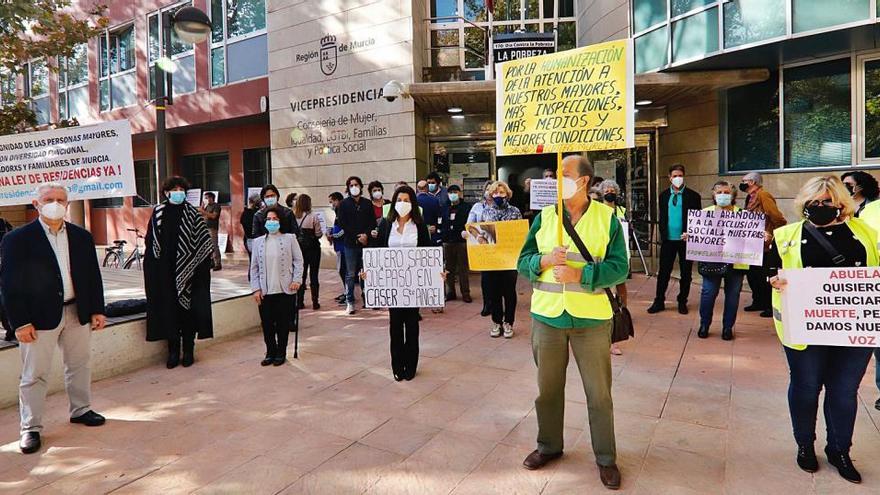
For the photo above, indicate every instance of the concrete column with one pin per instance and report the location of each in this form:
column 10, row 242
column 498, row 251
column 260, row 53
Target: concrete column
column 77, row 212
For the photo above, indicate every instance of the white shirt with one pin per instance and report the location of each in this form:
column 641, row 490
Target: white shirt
column 273, row 270
column 409, row 237
column 62, row 255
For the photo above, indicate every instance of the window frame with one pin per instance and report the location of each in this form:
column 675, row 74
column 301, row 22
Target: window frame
column 191, row 52
column 154, row 185
column 203, row 157
column 110, row 74
column 8, row 77
column 226, row 41
column 66, row 88
column 861, row 126
column 28, row 88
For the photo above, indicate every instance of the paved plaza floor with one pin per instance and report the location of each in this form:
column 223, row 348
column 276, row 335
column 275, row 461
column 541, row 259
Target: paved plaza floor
column 692, row 416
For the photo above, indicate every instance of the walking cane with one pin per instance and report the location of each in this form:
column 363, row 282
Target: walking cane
column 296, row 334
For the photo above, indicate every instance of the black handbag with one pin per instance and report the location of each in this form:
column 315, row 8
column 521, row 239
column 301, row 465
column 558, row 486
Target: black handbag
column 712, row 269
column 622, row 324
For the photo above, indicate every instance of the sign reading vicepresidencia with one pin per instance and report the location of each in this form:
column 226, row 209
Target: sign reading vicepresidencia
column 91, row 161
column 404, row 277
column 493, row 246
column 831, row 306
column 571, row 101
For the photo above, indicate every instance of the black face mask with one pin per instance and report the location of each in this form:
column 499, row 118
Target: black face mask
column 610, row 198
column 743, row 187
column 851, row 189
column 820, row 215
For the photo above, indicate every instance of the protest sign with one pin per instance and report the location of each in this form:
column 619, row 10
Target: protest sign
column 495, row 246
column 542, row 192
column 194, row 197
column 572, row 101
column 404, row 277
column 90, row 161
column 831, row 306
column 222, row 240
column 722, row 236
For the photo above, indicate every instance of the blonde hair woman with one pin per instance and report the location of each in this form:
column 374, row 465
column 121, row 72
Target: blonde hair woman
column 827, row 212
column 502, row 283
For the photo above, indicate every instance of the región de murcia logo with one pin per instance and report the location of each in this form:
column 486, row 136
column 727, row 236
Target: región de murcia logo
column 329, row 55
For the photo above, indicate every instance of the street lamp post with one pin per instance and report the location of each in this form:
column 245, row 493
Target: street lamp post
column 193, row 26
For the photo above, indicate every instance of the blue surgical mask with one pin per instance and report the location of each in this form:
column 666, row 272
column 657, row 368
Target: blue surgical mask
column 270, row 201
column 273, row 226
column 499, row 201
column 177, row 197
column 453, row 197
column 432, row 187
column 723, row 199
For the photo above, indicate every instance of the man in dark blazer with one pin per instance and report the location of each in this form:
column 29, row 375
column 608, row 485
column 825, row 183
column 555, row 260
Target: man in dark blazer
column 675, row 202
column 54, row 297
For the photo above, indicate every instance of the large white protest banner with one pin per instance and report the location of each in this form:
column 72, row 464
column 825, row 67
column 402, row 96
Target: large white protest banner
column 831, row 306
column 542, row 192
column 722, row 236
column 91, row 161
column 404, row 277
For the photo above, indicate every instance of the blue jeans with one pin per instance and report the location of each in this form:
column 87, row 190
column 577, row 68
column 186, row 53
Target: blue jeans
column 733, row 282
column 354, row 262
column 839, row 370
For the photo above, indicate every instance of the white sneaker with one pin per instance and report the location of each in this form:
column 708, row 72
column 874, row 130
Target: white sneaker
column 496, row 331
column 349, row 309
column 508, row 331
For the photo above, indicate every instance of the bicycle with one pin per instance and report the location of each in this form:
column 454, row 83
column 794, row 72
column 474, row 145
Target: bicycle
column 115, row 254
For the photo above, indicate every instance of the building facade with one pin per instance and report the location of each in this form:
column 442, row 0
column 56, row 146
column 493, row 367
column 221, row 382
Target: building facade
column 218, row 126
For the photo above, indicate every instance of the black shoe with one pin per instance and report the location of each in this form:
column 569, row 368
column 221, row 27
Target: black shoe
column 844, row 465
column 278, row 361
column 656, row 307
column 753, row 307
column 806, row 458
column 188, row 359
column 877, row 405
column 727, row 334
column 703, row 332
column 30, row 442
column 486, row 311
column 451, row 296
column 767, row 313
column 398, row 378
column 683, row 308
column 173, row 360
column 217, row 268
column 89, row 418
column 537, row 460
column 409, row 376
column 467, row 298
column 610, row 476
column 267, row 361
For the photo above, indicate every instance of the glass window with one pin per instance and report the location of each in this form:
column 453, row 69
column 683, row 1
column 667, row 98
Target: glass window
column 216, row 21
column 753, row 126
column 247, row 58
column 257, row 165
column 567, row 38
column 475, row 48
column 532, row 9
column 872, row 109
column 651, row 50
column 549, row 6
column 73, row 78
column 218, row 67
column 209, row 173
column 76, row 67
column 815, row 14
column 695, row 36
column 117, row 87
column 684, row 6
column 122, row 49
column 244, row 17
column 7, row 87
column 817, row 109
column 566, row 8
column 507, row 10
column 242, row 53
column 145, row 182
column 444, row 57
column 181, row 54
column 475, row 10
column 444, row 8
column 38, row 90
column 749, row 21
column 107, row 202
column 647, row 13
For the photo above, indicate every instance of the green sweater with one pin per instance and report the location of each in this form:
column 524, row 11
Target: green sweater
column 609, row 272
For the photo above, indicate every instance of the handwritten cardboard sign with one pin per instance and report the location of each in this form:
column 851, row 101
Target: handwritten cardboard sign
column 404, row 277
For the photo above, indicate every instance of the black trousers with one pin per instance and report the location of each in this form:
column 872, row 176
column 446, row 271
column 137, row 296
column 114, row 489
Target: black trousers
column 761, row 291
column 404, row 341
column 276, row 316
column 668, row 251
column 502, row 295
column 185, row 333
column 312, row 265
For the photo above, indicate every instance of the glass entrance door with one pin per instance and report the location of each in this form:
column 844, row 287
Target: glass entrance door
column 468, row 164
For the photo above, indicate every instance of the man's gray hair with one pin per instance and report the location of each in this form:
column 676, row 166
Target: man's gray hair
column 44, row 188
column 254, row 199
column 754, row 177
column 609, row 183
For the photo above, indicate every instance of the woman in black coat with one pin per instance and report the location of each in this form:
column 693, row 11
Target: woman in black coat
column 404, row 228
column 177, row 275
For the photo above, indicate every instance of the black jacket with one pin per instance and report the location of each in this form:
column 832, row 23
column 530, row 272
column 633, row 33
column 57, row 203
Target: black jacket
column 33, row 292
column 424, row 238
column 247, row 222
column 691, row 200
column 288, row 223
column 355, row 218
column 451, row 229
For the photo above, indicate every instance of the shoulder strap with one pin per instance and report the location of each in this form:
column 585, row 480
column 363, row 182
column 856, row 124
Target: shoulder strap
column 836, row 257
column 582, row 248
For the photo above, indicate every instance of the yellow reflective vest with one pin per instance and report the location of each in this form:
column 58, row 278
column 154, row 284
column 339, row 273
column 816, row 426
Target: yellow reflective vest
column 788, row 243
column 549, row 298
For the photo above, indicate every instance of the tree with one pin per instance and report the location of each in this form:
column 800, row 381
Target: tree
column 31, row 29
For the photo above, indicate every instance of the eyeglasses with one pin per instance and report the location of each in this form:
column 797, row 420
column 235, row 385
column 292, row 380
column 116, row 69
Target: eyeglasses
column 825, row 202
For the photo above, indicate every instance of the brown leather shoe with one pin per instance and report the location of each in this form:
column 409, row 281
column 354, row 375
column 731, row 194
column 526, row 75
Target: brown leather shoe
column 610, row 476
column 537, row 460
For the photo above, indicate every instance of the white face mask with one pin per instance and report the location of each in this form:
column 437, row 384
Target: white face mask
column 678, row 182
column 354, row 190
column 402, row 208
column 569, row 187
column 377, row 195
column 53, row 211
column 723, row 199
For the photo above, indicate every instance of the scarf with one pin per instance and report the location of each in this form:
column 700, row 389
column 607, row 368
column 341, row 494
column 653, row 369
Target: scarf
column 193, row 247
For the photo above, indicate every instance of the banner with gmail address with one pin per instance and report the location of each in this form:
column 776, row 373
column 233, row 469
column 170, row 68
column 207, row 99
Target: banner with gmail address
column 92, row 162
